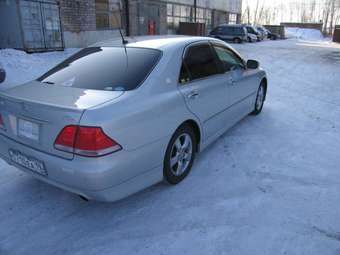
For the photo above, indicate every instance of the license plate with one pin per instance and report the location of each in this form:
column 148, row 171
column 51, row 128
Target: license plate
column 28, row 129
column 30, row 163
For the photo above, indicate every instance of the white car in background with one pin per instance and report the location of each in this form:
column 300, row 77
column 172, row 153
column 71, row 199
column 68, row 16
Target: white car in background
column 252, row 37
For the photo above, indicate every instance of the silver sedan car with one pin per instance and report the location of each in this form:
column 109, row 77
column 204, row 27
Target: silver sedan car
column 114, row 119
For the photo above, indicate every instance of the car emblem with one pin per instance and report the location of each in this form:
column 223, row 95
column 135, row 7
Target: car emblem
column 68, row 118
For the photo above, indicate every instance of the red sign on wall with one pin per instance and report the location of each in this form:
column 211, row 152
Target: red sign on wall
column 152, row 27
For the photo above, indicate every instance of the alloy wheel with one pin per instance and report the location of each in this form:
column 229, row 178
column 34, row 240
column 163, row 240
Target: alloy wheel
column 181, row 154
column 260, row 98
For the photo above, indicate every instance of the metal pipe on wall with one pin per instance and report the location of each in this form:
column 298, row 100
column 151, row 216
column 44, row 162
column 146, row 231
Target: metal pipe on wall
column 127, row 19
column 195, row 11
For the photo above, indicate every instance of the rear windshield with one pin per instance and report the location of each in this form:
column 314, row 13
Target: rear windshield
column 104, row 68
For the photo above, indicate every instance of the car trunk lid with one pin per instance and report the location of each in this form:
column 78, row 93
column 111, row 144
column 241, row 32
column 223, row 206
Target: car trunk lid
column 35, row 113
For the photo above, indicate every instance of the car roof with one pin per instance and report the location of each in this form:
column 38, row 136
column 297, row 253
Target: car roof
column 153, row 42
column 230, row 25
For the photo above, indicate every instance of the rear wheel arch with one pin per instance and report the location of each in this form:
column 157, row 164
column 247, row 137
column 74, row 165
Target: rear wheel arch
column 193, row 124
column 237, row 40
column 265, row 82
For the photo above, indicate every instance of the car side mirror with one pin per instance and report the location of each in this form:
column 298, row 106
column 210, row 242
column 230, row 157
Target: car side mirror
column 2, row 75
column 253, row 64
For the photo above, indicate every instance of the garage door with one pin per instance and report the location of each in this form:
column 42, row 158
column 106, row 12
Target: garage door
column 40, row 25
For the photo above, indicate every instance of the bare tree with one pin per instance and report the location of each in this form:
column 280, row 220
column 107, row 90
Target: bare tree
column 312, row 11
column 256, row 10
column 260, row 16
column 334, row 14
column 326, row 11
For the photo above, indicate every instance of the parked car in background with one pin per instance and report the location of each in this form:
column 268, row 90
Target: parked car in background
column 252, row 31
column 263, row 31
column 252, row 38
column 272, row 36
column 2, row 74
column 85, row 126
column 234, row 33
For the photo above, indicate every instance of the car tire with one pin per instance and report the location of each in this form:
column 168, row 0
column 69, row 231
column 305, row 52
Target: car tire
column 2, row 75
column 237, row 40
column 260, row 98
column 180, row 155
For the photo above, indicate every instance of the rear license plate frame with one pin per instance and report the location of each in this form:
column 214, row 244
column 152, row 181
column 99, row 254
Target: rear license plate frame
column 34, row 165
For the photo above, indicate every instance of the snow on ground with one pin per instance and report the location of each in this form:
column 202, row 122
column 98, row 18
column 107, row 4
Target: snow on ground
column 304, row 33
column 271, row 185
column 21, row 67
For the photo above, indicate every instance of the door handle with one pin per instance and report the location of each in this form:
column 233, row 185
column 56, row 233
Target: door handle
column 193, row 95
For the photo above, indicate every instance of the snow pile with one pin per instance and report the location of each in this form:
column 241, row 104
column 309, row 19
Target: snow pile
column 22, row 67
column 304, row 33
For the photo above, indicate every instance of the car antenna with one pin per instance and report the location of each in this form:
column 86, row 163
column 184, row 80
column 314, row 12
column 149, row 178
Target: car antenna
column 124, row 42
column 123, row 39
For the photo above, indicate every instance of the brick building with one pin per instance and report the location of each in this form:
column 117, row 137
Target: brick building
column 38, row 25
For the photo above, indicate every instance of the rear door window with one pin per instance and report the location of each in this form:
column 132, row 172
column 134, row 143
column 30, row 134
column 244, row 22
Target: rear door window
column 104, row 68
column 227, row 30
column 239, row 31
column 199, row 62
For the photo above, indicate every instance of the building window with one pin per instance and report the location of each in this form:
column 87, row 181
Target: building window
column 107, row 14
column 177, row 13
column 232, row 18
column 204, row 16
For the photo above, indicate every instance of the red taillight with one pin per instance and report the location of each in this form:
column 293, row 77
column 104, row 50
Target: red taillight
column 66, row 139
column 86, row 141
column 2, row 124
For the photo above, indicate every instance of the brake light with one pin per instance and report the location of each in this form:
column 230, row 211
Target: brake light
column 2, row 124
column 86, row 141
column 66, row 139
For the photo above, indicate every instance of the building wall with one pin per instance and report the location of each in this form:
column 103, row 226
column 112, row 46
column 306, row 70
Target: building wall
column 78, row 18
column 144, row 12
column 336, row 34
column 10, row 31
column 233, row 6
column 30, row 25
column 79, row 24
column 317, row 26
column 139, row 13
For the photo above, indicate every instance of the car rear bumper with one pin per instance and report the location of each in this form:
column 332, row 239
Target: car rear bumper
column 107, row 178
